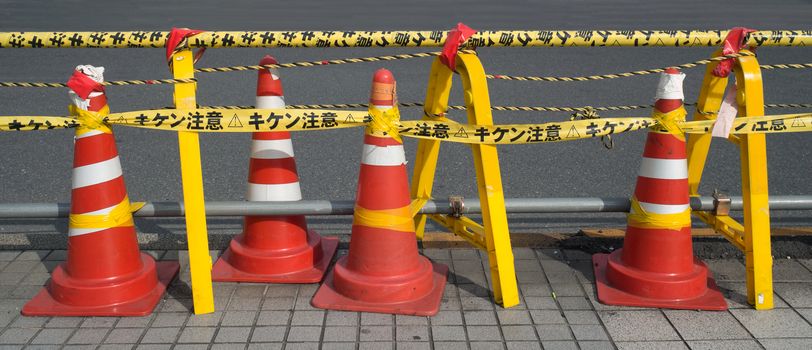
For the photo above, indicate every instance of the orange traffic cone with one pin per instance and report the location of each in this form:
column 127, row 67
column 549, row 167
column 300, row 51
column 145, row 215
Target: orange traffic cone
column 383, row 271
column 275, row 249
column 105, row 273
column 656, row 266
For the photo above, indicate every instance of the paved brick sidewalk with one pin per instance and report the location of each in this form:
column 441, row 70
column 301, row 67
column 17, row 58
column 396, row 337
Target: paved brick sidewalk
column 258, row 316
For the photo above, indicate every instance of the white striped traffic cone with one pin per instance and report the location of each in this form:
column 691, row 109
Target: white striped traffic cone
column 383, row 271
column 274, row 249
column 656, row 266
column 105, row 273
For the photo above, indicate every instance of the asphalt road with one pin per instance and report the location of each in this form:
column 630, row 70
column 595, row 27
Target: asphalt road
column 36, row 166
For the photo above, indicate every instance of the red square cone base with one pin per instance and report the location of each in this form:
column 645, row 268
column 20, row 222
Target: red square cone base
column 328, row 298
column 711, row 300
column 223, row 271
column 44, row 304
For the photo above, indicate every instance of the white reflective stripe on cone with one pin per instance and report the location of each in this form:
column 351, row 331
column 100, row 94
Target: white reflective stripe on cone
column 83, row 231
column 383, row 155
column 667, row 169
column 274, row 192
column 271, row 149
column 270, row 102
column 72, row 232
column 89, row 134
column 664, row 208
column 96, row 173
column 670, row 87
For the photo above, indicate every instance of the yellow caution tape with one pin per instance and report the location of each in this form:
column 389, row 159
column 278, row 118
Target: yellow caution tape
column 136, row 206
column 119, row 216
column 443, row 129
column 31, row 123
column 504, row 38
column 384, row 123
column 398, row 219
column 245, row 120
column 671, row 121
column 90, row 121
column 638, row 217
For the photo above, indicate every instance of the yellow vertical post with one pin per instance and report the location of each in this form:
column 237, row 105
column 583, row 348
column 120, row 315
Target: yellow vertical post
column 754, row 236
column 489, row 184
column 493, row 236
column 710, row 99
column 425, row 164
column 192, row 177
column 753, row 147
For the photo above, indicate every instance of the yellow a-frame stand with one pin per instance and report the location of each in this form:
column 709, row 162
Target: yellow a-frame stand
column 492, row 236
column 753, row 238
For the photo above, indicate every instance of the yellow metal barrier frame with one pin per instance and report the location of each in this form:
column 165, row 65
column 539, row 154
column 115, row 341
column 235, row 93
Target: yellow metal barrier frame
column 753, row 238
column 493, row 235
column 192, row 177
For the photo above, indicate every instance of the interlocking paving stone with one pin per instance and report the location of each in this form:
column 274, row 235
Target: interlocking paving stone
column 302, row 346
column 787, row 344
column 238, row 318
column 541, row 303
column 568, row 290
column 702, row 325
column 547, row 317
column 581, row 317
column 487, row 345
column 411, row 320
column 508, row 317
column 282, row 303
column 307, row 318
column 66, row 322
column 170, row 319
column 589, row 332
column 554, row 332
column 90, row 336
column 652, row 345
column 197, row 335
column 376, row 319
column 727, row 269
column 450, row 345
column 790, row 270
column 485, row 323
column 376, row 345
column 161, row 335
column 627, row 325
column 523, row 345
column 483, row 333
column 124, row 336
column 797, row 295
column 479, row 318
column 774, row 323
column 412, row 333
column 340, row 334
column 376, row 333
column 739, row 344
column 304, row 333
column 212, row 319
column 268, row 334
column 451, row 318
column 446, row 333
column 806, row 313
column 338, row 346
column 519, row 333
column 53, row 336
column 596, row 345
column 341, row 318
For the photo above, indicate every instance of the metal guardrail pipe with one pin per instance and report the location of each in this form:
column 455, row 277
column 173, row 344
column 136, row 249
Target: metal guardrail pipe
column 324, row 207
